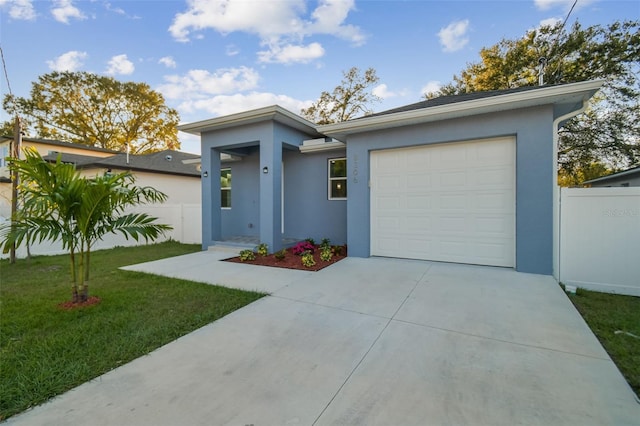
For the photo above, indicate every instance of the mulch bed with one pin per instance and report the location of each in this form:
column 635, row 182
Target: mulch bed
column 292, row 261
column 92, row 300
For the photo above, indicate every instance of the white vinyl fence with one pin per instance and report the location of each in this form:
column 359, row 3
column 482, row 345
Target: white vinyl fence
column 600, row 239
column 184, row 218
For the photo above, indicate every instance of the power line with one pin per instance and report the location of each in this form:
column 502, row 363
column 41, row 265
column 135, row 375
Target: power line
column 555, row 42
column 6, row 74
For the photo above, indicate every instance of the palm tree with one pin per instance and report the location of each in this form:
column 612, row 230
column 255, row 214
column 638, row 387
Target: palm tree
column 61, row 205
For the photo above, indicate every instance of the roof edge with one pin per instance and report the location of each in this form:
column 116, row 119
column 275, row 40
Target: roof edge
column 623, row 173
column 465, row 108
column 272, row 112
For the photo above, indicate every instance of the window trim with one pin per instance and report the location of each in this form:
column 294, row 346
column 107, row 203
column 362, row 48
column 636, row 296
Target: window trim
column 225, row 188
column 331, row 179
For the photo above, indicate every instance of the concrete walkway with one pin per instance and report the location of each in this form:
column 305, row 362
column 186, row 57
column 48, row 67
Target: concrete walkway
column 365, row 342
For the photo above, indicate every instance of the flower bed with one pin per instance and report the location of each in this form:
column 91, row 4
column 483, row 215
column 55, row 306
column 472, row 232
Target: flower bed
column 289, row 258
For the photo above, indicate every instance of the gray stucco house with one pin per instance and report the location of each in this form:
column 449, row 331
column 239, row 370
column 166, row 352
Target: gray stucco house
column 625, row 178
column 468, row 178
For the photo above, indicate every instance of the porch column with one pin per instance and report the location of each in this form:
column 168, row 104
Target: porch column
column 211, row 199
column 270, row 194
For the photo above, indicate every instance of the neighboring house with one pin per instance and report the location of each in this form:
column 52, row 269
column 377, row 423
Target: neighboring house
column 468, row 178
column 44, row 147
column 175, row 173
column 629, row 177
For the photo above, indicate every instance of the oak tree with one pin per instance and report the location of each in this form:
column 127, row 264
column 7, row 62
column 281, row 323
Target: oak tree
column 348, row 100
column 609, row 131
column 99, row 111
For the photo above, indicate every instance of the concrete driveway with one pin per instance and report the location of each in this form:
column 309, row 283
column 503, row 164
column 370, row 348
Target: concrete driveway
column 365, row 342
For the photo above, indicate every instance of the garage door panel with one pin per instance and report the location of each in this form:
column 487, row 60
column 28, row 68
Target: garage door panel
column 496, row 201
column 419, row 202
column 492, row 226
column 389, row 182
column 453, row 202
column 494, row 176
column 453, row 179
column 459, row 206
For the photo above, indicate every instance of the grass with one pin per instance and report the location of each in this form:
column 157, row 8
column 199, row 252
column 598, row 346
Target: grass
column 45, row 350
column 607, row 314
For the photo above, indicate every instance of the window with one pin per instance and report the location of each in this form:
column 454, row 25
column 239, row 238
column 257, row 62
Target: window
column 338, row 179
column 4, row 153
column 225, row 188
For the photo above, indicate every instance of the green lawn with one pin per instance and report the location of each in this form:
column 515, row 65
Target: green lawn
column 611, row 317
column 45, row 351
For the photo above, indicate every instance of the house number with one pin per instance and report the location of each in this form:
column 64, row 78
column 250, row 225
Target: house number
column 355, row 169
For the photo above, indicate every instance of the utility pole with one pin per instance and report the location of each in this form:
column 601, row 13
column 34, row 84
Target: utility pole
column 17, row 140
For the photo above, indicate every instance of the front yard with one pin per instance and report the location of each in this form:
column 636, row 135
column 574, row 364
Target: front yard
column 46, row 350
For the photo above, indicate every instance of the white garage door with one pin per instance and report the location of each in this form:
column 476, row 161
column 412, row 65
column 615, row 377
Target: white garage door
column 451, row 202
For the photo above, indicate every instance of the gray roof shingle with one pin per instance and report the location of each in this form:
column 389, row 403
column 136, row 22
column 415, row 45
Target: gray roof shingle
column 451, row 99
column 166, row 162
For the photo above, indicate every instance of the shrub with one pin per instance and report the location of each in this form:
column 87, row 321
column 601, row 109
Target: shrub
column 247, row 255
column 262, row 249
column 310, row 241
column 326, row 254
column 302, row 247
column 338, row 250
column 307, row 260
column 281, row 254
column 325, row 243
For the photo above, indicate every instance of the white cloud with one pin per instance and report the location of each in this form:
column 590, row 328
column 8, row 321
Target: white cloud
column 280, row 25
column 261, row 17
column 168, row 62
column 117, row 10
column 64, row 10
column 453, row 36
column 549, row 22
column 70, row 61
column 382, row 91
column 229, row 104
column 20, row 9
column 329, row 17
column 232, row 50
column 565, row 5
column 120, row 64
column 198, row 84
column 431, row 86
column 290, row 54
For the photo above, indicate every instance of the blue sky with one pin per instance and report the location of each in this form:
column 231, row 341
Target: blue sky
column 211, row 58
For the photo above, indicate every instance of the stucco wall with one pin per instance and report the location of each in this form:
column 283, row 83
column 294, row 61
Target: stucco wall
column 532, row 128
column 256, row 197
column 243, row 218
column 308, row 211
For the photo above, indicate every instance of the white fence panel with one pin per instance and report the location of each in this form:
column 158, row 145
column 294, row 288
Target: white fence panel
column 600, row 239
column 184, row 218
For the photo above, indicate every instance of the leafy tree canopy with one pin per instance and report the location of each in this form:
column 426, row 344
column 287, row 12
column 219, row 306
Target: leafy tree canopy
column 609, row 131
column 348, row 100
column 96, row 110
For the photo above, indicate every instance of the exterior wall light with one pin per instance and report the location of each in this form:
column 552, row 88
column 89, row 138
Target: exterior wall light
column 205, row 174
column 265, row 170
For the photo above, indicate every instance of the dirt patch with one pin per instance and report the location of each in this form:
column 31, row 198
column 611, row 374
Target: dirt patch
column 293, row 261
column 67, row 306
